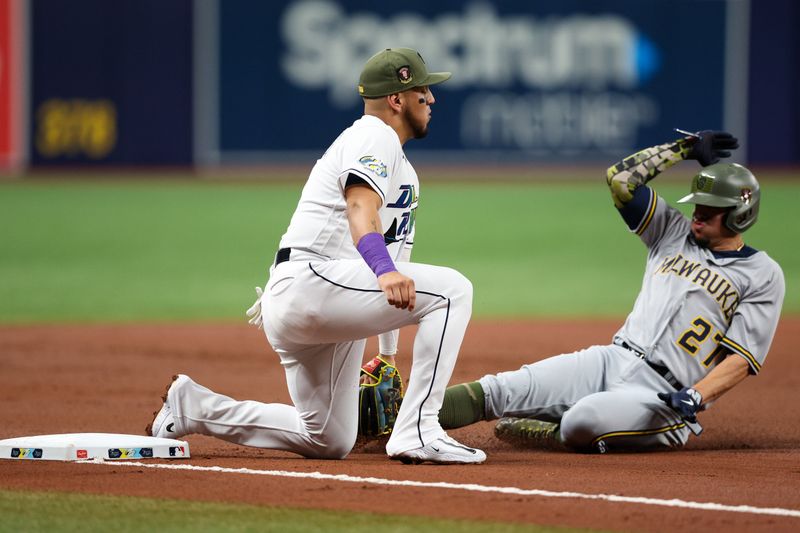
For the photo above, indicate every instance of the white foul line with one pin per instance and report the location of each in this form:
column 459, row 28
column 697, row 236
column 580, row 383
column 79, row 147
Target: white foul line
column 774, row 511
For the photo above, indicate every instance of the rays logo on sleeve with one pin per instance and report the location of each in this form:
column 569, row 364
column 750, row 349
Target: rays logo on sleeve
column 374, row 165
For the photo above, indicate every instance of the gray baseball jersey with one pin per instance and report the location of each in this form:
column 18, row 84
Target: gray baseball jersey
column 694, row 306
column 694, row 302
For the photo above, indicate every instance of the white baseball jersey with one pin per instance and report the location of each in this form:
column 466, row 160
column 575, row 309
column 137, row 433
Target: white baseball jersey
column 371, row 150
column 694, row 301
column 320, row 304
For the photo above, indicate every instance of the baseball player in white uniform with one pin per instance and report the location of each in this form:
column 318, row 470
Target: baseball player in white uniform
column 340, row 276
column 703, row 321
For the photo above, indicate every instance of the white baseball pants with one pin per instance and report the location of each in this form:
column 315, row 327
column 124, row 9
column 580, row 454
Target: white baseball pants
column 317, row 315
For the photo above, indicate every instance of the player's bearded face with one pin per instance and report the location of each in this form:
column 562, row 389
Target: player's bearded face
column 417, row 113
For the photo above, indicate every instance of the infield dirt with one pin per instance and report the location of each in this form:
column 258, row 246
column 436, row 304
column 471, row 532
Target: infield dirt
column 108, row 378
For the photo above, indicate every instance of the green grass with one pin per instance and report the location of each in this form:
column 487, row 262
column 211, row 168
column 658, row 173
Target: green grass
column 52, row 511
column 132, row 251
column 563, row 250
column 191, row 250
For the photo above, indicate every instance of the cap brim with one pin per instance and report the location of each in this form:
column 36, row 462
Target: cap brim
column 436, row 77
column 704, row 198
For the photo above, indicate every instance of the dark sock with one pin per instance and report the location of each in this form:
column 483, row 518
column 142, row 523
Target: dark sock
column 464, row 404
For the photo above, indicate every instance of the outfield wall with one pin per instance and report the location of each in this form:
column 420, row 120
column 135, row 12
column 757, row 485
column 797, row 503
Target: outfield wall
column 207, row 82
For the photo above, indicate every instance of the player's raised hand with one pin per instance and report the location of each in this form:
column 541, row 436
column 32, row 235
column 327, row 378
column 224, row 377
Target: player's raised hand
column 399, row 290
column 710, row 146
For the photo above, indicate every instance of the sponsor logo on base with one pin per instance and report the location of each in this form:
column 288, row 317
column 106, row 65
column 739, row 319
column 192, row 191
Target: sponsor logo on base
column 130, row 453
column 26, row 453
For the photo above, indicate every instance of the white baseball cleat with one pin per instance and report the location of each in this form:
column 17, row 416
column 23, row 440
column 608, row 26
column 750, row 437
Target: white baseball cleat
column 445, row 451
column 163, row 424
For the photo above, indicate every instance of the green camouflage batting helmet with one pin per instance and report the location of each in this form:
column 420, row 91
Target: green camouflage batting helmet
column 727, row 185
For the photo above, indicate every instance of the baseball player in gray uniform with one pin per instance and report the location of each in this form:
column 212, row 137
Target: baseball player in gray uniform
column 341, row 275
column 703, row 321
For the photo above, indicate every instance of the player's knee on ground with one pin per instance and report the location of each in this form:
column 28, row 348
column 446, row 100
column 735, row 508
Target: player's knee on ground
column 330, row 446
column 580, row 426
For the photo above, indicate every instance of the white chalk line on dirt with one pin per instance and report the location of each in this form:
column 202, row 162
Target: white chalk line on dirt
column 472, row 487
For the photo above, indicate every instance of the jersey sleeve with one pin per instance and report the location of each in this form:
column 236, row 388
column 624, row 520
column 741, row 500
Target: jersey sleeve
column 651, row 218
column 370, row 155
column 644, row 212
column 755, row 320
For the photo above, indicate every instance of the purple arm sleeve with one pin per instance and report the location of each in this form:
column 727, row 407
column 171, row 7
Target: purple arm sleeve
column 373, row 249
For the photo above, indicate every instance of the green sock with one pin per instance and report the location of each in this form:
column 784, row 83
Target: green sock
column 464, row 404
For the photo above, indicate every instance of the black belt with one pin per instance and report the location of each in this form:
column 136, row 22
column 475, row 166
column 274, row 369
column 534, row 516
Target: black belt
column 662, row 371
column 282, row 255
column 665, row 373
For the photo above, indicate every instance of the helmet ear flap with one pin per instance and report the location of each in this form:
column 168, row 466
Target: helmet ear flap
column 740, row 218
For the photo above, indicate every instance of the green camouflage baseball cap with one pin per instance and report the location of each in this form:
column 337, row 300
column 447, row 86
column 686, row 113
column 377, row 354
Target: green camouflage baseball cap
column 395, row 70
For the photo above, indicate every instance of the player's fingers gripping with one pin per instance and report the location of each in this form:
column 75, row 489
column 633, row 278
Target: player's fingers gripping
column 392, row 295
column 397, row 297
column 398, row 289
column 408, row 294
column 403, row 301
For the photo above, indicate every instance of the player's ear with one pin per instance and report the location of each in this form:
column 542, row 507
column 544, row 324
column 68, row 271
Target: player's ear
column 395, row 101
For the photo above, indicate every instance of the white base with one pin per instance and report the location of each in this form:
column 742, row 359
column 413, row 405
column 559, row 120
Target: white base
column 83, row 446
